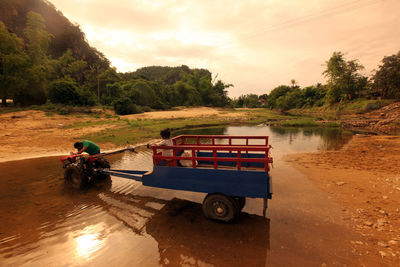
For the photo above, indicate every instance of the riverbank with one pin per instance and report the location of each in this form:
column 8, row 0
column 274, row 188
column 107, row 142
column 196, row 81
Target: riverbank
column 33, row 133
column 364, row 178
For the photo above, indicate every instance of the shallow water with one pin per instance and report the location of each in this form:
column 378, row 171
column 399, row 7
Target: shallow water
column 44, row 223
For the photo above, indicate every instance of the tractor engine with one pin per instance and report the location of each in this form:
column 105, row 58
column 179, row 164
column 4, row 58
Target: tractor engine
column 80, row 171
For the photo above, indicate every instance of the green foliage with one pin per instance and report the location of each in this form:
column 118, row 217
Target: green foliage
column 64, row 92
column 387, row 77
column 247, row 101
column 124, row 106
column 344, row 81
column 276, row 93
column 305, row 122
column 13, row 61
column 68, row 92
column 293, row 99
column 38, row 39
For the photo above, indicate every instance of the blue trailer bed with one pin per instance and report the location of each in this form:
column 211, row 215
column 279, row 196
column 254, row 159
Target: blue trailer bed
column 228, row 168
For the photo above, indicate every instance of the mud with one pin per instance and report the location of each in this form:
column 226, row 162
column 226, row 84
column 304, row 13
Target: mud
column 364, row 178
column 122, row 223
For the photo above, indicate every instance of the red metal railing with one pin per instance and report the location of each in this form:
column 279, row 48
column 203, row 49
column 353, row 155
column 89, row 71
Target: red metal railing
column 207, row 143
column 182, row 139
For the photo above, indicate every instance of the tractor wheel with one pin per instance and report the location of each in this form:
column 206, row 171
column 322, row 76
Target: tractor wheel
column 241, row 202
column 102, row 177
column 75, row 178
column 102, row 163
column 221, row 207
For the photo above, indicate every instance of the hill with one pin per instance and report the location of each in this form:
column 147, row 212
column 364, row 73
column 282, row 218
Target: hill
column 66, row 34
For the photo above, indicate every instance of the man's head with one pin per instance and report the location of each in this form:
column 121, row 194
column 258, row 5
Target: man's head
column 78, row 145
column 165, row 134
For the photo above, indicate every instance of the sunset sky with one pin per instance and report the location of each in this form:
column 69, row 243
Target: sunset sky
column 254, row 44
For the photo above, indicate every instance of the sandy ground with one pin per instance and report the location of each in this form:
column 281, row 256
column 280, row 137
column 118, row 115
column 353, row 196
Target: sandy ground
column 364, row 178
column 28, row 134
column 183, row 113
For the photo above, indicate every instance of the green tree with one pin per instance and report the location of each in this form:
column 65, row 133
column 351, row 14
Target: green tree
column 13, row 61
column 277, row 92
column 247, row 101
column 107, row 77
column 344, row 81
column 38, row 39
column 37, row 74
column 293, row 99
column 67, row 66
column 124, row 106
column 64, row 92
column 387, row 77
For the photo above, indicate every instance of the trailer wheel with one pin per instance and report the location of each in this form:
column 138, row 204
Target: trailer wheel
column 221, row 207
column 75, row 178
column 241, row 202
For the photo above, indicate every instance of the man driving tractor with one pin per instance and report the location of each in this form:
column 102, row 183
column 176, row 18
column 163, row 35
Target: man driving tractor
column 88, row 147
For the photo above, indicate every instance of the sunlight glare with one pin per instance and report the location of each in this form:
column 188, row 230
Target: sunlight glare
column 88, row 244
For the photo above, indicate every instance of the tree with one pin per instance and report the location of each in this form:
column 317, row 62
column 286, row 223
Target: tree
column 344, row 81
column 277, row 92
column 64, row 92
column 67, row 66
column 13, row 60
column 37, row 73
column 293, row 99
column 387, row 77
column 107, row 77
column 38, row 39
column 248, row 101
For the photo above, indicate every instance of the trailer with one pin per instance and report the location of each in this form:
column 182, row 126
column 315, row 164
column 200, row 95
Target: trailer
column 228, row 168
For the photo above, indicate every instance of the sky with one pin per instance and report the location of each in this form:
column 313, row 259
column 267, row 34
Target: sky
column 256, row 45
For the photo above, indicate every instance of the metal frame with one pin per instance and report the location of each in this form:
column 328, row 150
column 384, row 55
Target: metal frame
column 247, row 175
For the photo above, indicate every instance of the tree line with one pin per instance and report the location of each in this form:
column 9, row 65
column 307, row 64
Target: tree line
column 30, row 75
column 344, row 83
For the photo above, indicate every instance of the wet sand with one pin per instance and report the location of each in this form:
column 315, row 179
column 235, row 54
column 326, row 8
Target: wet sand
column 122, row 223
column 364, row 179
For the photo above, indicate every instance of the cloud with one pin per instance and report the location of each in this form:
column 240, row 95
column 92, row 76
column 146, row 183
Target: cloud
column 254, row 44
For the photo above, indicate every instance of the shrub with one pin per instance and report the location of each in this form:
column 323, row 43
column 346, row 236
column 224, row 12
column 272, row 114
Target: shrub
column 146, row 109
column 124, row 106
column 64, row 92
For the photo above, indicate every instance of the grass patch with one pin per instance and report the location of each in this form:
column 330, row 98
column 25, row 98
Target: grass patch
column 4, row 110
column 360, row 106
column 90, row 123
column 300, row 122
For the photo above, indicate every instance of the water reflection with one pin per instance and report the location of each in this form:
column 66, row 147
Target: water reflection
column 186, row 238
column 330, row 138
column 87, row 244
column 121, row 222
column 286, row 139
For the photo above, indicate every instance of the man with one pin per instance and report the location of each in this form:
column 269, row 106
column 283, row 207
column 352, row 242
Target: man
column 88, row 147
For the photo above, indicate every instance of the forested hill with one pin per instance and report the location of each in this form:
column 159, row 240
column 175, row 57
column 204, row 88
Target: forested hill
column 170, row 75
column 45, row 58
column 13, row 13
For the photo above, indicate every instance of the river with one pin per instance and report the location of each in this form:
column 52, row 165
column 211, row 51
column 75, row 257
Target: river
column 123, row 223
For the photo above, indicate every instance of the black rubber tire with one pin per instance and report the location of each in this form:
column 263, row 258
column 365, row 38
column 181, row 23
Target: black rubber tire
column 221, row 208
column 101, row 177
column 75, row 178
column 102, row 163
column 241, row 202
